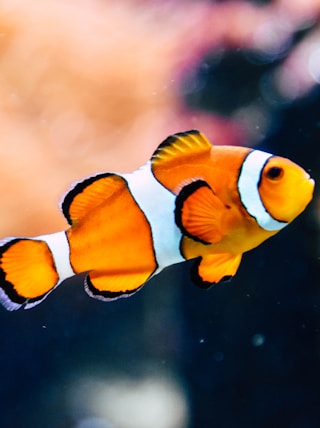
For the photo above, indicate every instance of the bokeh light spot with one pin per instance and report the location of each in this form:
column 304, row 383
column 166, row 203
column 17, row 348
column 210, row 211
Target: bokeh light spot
column 314, row 65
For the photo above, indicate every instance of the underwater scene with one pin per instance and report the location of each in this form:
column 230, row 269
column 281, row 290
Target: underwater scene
column 225, row 333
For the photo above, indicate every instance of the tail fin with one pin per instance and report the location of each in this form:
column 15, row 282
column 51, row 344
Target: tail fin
column 27, row 272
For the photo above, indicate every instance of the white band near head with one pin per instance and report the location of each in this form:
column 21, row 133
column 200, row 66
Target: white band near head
column 248, row 183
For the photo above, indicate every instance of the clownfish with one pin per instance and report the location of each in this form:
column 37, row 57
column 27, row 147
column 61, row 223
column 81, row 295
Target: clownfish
column 192, row 200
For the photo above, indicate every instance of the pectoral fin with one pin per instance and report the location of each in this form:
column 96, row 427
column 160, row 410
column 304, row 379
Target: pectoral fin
column 214, row 268
column 200, row 213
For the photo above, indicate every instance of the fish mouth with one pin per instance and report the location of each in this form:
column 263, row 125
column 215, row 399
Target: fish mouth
column 310, row 182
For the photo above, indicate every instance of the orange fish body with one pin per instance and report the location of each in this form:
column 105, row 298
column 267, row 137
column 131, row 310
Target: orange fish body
column 191, row 201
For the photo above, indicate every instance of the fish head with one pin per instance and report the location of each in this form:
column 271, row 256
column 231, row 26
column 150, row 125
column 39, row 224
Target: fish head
column 285, row 188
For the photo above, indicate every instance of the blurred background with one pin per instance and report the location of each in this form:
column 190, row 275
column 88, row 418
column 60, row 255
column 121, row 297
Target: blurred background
column 91, row 86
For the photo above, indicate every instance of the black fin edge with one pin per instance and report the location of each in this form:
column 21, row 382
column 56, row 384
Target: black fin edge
column 187, row 191
column 199, row 282
column 172, row 138
column 7, row 286
column 196, row 278
column 79, row 188
column 107, row 294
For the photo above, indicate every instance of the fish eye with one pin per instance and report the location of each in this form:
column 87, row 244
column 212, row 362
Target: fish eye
column 274, row 173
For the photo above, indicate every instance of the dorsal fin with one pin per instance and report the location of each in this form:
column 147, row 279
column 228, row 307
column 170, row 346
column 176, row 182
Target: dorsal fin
column 89, row 194
column 179, row 158
column 179, row 147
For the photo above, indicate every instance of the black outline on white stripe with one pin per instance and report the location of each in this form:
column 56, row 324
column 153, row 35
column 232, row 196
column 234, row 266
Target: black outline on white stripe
column 59, row 247
column 158, row 204
column 249, row 180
